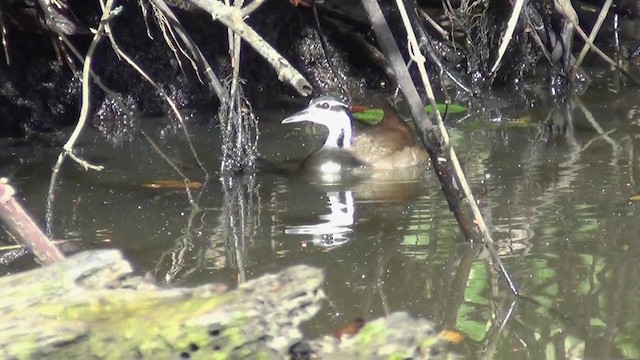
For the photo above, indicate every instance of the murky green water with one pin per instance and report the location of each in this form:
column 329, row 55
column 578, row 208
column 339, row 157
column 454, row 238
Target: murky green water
column 556, row 201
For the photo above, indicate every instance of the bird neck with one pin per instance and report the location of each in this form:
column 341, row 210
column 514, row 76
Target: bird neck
column 340, row 132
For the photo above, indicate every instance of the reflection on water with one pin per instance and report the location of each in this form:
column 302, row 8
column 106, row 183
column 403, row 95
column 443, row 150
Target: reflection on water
column 332, row 231
column 555, row 194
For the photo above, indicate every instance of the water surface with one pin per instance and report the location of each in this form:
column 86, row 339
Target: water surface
column 554, row 191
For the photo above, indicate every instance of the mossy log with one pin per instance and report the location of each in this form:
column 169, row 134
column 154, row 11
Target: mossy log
column 87, row 307
column 91, row 307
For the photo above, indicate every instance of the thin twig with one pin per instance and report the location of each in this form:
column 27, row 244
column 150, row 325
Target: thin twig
column 385, row 39
column 176, row 112
column 214, row 82
column 5, row 39
column 234, row 52
column 96, row 79
column 145, row 17
column 325, row 50
column 420, row 60
column 162, row 93
column 434, row 24
column 232, row 116
column 594, row 32
column 425, row 43
column 592, row 120
column 597, row 50
column 508, row 34
column 84, row 109
column 185, row 179
column 170, row 39
column 51, row 194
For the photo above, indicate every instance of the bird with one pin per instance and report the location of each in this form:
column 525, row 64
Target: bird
column 386, row 146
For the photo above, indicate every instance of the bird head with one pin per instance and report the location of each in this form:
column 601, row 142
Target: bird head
column 323, row 110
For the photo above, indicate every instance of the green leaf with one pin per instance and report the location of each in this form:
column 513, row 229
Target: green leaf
column 373, row 116
column 369, row 116
column 453, row 108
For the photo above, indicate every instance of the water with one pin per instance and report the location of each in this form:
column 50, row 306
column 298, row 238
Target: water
column 557, row 204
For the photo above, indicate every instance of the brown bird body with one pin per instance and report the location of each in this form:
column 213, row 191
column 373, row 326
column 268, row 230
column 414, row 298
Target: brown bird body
column 388, row 145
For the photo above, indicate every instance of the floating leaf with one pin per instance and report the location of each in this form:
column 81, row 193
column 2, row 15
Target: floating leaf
column 634, row 198
column 172, row 184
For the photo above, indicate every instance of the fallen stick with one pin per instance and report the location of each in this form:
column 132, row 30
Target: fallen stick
column 24, row 229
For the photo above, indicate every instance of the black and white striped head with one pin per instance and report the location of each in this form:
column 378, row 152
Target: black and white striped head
column 321, row 110
column 330, row 112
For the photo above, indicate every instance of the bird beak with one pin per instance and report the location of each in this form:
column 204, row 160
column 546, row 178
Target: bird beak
column 303, row 115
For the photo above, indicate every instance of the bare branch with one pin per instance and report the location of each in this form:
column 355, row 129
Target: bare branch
column 232, row 18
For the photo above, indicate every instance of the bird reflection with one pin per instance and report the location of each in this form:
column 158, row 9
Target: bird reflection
column 332, row 232
column 334, row 227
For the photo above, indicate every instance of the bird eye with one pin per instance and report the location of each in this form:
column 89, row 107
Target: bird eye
column 324, row 105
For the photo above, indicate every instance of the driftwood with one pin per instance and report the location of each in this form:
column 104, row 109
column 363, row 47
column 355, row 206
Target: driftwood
column 90, row 307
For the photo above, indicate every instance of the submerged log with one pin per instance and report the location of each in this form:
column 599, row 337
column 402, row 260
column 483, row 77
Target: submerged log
column 90, row 306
